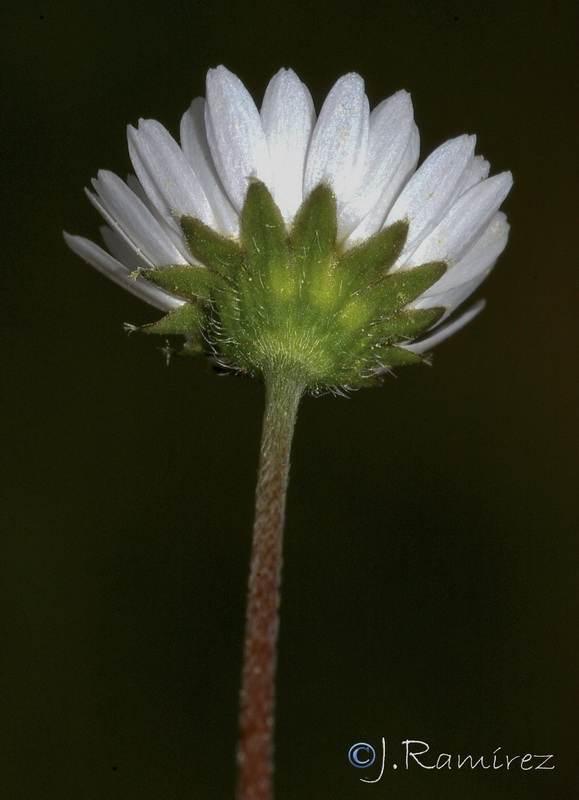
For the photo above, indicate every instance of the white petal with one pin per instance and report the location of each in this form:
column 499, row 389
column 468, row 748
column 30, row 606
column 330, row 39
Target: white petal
column 196, row 149
column 175, row 233
column 136, row 188
column 120, row 274
column 455, row 297
column 444, row 331
column 374, row 220
column 432, row 190
column 478, row 170
column 390, row 131
column 452, row 299
column 166, row 175
column 464, row 223
column 120, row 249
column 287, row 116
column 477, row 262
column 338, row 148
column 236, row 139
column 126, row 214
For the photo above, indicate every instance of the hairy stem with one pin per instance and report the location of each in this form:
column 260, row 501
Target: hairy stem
column 255, row 751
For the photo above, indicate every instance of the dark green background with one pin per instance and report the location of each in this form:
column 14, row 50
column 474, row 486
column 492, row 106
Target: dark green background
column 430, row 563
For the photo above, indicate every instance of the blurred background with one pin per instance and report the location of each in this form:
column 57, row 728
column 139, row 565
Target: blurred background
column 430, row 588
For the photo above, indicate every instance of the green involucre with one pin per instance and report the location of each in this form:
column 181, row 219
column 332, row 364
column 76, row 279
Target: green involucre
column 293, row 300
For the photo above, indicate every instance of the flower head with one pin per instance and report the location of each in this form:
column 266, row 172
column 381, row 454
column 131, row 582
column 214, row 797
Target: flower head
column 275, row 238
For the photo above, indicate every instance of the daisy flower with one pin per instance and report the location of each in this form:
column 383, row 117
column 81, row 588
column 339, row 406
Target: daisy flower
column 367, row 258
column 308, row 251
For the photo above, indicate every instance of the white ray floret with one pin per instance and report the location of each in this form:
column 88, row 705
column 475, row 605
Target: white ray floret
column 121, row 274
column 196, row 149
column 337, row 152
column 235, row 134
column 133, row 221
column 464, row 222
column 288, row 117
column 391, row 128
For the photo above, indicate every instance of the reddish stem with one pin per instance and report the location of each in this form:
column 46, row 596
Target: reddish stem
column 255, row 751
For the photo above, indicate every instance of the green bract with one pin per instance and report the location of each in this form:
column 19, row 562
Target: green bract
column 293, row 299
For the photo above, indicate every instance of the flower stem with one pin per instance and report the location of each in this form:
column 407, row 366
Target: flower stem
column 255, row 751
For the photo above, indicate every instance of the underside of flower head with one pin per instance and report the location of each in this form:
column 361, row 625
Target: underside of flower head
column 275, row 238
column 296, row 300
